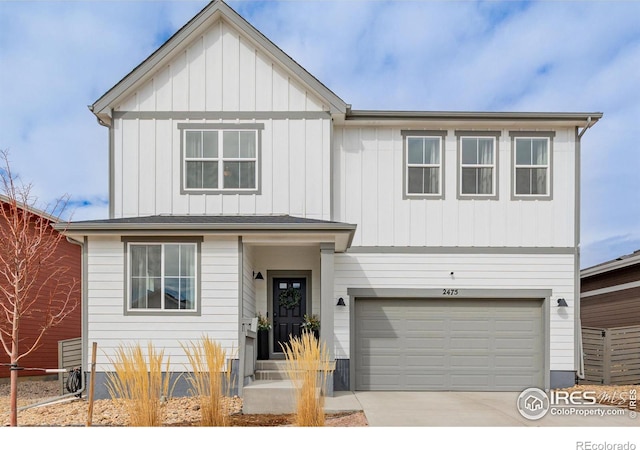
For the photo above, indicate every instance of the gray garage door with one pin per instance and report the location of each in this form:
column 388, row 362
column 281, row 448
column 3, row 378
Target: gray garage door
column 448, row 345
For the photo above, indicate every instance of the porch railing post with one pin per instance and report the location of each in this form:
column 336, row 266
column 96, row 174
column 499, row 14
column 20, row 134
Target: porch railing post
column 327, row 252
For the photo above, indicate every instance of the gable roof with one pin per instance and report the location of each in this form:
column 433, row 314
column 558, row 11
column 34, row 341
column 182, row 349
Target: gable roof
column 217, row 221
column 212, row 12
column 615, row 264
column 343, row 233
column 4, row 200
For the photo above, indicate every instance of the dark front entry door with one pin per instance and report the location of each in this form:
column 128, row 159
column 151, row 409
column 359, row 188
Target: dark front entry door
column 289, row 308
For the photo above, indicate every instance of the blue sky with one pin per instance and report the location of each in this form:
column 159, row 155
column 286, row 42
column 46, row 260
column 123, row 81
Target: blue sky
column 58, row 57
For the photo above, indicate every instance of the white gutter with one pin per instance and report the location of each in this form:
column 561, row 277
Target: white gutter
column 590, row 123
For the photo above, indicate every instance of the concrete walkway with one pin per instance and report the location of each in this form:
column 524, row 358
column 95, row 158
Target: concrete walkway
column 466, row 409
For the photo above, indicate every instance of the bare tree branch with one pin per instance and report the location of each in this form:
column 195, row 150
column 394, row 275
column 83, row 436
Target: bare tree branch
column 36, row 286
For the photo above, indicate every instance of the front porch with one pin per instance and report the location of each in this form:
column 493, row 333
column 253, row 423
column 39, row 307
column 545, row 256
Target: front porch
column 284, row 279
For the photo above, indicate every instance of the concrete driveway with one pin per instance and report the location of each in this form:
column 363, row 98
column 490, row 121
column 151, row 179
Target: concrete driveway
column 424, row 409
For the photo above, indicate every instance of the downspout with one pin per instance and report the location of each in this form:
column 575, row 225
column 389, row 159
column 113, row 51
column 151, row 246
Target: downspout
column 578, row 321
column 78, row 393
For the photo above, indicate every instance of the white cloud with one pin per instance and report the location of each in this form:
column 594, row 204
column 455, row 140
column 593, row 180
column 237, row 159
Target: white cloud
column 56, row 58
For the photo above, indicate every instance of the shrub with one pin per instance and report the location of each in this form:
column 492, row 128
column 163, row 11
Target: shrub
column 139, row 385
column 208, row 380
column 308, row 367
column 263, row 323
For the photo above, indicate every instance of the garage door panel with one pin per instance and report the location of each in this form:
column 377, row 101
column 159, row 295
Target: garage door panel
column 516, row 381
column 469, row 325
column 381, row 360
column 418, row 382
column 517, row 362
column 380, row 382
column 526, row 345
column 468, row 381
column 516, row 326
column 424, row 342
column 428, row 324
column 468, row 361
column 421, row 361
column 469, row 342
column 433, row 344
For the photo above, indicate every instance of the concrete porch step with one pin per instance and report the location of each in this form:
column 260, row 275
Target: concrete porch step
column 272, row 364
column 269, row 397
column 271, row 375
column 272, row 369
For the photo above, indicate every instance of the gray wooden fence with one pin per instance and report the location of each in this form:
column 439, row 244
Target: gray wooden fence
column 69, row 357
column 611, row 355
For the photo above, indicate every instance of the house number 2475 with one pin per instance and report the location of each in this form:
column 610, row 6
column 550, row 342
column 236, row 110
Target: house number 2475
column 449, row 292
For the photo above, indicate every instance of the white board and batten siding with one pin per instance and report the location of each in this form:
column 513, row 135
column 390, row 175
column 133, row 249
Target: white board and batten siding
column 111, row 329
column 368, row 191
column 222, row 70
column 471, row 271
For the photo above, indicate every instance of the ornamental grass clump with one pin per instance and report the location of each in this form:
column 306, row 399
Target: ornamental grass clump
column 308, row 368
column 208, row 379
column 139, row 383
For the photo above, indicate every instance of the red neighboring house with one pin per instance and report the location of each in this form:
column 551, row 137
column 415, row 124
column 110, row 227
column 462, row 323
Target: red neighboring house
column 46, row 355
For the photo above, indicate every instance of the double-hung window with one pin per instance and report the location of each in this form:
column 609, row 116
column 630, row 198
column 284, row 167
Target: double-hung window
column 532, row 165
column 423, row 164
column 219, row 158
column 162, row 276
column 478, row 156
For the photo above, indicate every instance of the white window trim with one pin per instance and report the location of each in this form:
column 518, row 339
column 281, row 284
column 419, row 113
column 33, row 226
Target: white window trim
column 221, row 128
column 549, row 136
column 128, row 310
column 495, row 136
column 440, row 136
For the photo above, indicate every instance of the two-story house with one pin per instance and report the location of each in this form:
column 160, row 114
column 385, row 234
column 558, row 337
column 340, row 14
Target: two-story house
column 438, row 249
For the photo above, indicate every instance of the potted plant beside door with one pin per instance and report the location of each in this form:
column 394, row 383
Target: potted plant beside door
column 311, row 324
column 263, row 337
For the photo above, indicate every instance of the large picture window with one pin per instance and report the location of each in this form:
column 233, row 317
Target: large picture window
column 222, row 160
column 423, row 165
column 162, row 276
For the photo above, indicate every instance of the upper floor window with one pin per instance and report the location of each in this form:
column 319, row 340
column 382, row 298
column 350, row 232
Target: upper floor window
column 532, row 165
column 423, row 164
column 477, row 172
column 220, row 158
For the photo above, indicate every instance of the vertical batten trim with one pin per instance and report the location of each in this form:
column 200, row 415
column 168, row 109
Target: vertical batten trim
column 111, row 169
